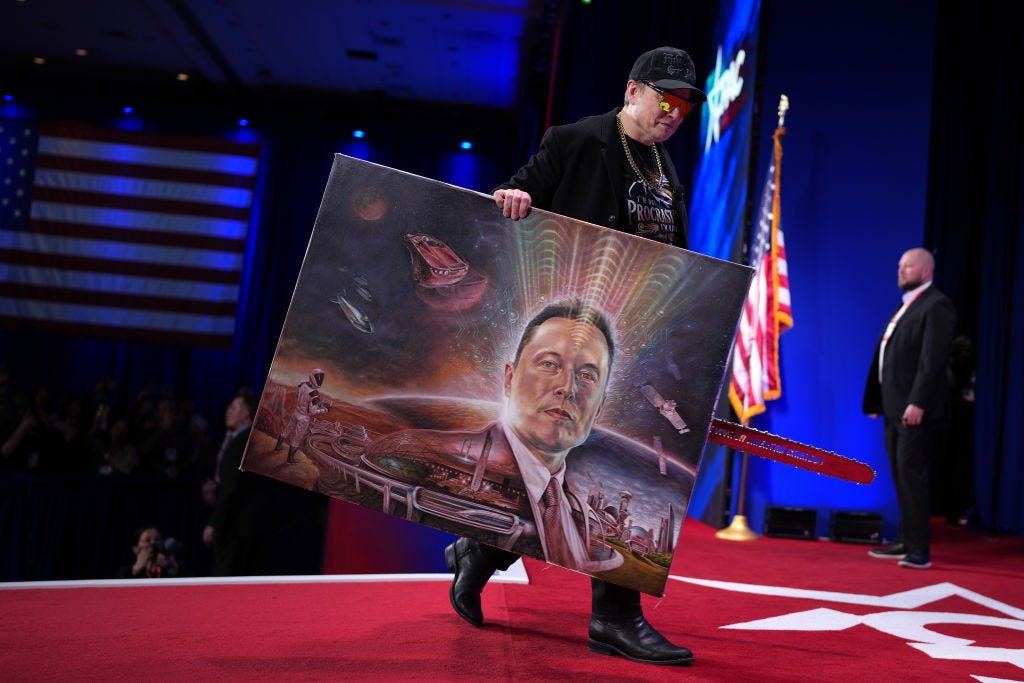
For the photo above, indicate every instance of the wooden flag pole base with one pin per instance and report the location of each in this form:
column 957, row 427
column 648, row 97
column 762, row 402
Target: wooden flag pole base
column 737, row 530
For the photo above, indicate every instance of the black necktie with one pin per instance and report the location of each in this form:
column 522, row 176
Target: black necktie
column 220, row 456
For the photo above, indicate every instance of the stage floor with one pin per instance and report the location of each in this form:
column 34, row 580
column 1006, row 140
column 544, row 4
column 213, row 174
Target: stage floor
column 764, row 610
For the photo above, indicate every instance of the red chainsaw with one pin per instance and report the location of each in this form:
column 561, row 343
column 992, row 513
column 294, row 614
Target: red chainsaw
column 772, row 447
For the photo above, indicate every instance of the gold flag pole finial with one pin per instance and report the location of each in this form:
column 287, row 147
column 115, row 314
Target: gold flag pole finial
column 783, row 108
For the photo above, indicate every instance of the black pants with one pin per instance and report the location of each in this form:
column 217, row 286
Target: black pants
column 911, row 451
column 608, row 601
column 240, row 556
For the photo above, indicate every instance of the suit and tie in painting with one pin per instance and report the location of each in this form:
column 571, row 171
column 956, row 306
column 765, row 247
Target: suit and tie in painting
column 492, row 466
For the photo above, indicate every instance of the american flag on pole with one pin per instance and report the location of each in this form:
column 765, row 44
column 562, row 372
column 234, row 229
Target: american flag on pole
column 767, row 312
column 122, row 234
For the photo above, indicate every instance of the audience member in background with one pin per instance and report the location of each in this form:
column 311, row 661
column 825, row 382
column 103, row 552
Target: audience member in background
column 36, row 445
column 118, row 455
column 43, row 435
column 73, row 423
column 105, row 397
column 907, row 383
column 243, row 517
column 151, row 431
column 154, row 557
column 165, row 442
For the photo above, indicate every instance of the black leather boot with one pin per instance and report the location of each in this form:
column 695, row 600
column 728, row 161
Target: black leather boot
column 618, row 626
column 472, row 570
column 634, row 638
column 473, row 564
column 291, row 455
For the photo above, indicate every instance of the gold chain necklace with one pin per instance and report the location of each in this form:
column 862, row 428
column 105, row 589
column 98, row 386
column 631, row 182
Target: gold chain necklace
column 629, row 157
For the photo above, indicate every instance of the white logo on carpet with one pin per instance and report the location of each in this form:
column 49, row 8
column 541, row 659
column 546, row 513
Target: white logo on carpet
column 912, row 627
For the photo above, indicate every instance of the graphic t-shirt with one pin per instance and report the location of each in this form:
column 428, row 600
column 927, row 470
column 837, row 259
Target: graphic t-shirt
column 649, row 211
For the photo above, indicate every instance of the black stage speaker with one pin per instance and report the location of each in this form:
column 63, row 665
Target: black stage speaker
column 787, row 522
column 856, row 527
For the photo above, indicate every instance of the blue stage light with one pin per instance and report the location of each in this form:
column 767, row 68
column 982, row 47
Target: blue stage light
column 462, row 169
column 128, row 110
column 359, row 134
column 8, row 98
column 243, row 122
column 465, row 144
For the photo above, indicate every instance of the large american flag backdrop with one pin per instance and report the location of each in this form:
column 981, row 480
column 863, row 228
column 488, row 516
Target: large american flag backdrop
column 122, row 234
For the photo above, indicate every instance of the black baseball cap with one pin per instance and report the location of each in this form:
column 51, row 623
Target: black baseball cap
column 667, row 67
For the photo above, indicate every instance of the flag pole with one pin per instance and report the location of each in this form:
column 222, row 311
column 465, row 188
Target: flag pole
column 738, row 530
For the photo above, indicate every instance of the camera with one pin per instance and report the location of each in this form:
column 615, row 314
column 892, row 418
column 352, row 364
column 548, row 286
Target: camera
column 167, row 546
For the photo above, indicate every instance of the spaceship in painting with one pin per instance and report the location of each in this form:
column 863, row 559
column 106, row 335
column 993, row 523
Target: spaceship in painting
column 434, row 263
column 666, row 408
column 359, row 320
column 362, row 286
column 443, row 279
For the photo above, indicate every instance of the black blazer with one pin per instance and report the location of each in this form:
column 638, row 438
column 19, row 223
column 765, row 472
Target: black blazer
column 916, row 361
column 245, row 504
column 577, row 172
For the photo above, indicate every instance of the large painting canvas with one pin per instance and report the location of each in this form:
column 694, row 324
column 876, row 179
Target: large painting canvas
column 396, row 386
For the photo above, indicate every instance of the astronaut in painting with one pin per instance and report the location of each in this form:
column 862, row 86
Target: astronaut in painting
column 308, row 403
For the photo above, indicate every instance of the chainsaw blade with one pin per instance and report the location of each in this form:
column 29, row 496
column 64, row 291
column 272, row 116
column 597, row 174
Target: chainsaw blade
column 772, row 447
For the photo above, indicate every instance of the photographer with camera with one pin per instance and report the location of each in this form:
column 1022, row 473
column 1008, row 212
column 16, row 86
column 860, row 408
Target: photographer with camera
column 154, row 557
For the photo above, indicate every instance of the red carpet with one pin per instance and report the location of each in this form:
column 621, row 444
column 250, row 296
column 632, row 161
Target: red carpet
column 806, row 611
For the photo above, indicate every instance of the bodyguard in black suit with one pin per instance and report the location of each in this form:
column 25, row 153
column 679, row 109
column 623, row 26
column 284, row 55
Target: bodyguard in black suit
column 907, row 384
column 611, row 170
column 243, row 515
